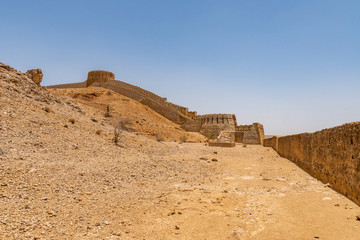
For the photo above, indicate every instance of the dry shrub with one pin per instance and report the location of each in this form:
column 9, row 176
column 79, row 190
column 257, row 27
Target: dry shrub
column 183, row 138
column 211, row 136
column 107, row 114
column 122, row 125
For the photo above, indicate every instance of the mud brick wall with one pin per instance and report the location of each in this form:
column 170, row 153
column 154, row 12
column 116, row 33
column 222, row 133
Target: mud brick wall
column 331, row 155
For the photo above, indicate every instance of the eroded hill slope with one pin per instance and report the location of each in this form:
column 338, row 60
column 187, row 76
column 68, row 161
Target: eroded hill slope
column 144, row 121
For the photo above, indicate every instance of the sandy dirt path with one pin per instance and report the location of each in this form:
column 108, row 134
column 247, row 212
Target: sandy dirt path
column 257, row 195
column 168, row 191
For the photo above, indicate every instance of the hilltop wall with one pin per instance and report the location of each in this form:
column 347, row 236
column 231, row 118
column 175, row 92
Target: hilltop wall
column 331, row 155
column 212, row 124
column 147, row 98
column 160, row 100
column 69, row 85
column 176, row 113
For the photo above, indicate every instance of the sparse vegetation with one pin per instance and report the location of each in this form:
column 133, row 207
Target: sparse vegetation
column 183, row 138
column 121, row 126
column 107, row 114
column 211, row 136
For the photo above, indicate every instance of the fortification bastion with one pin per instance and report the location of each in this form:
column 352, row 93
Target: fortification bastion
column 214, row 124
column 99, row 76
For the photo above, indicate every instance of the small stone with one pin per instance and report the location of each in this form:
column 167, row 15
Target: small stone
column 171, row 213
column 328, row 185
column 88, row 193
column 106, row 222
column 337, row 205
column 326, row 198
column 215, row 152
column 97, row 224
column 214, row 160
column 316, row 237
column 81, row 219
column 51, row 213
column 358, row 217
column 177, row 228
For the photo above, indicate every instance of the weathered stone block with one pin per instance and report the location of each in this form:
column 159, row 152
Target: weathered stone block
column 35, row 75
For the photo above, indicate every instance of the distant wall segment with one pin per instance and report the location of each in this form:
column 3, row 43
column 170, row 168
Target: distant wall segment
column 331, row 155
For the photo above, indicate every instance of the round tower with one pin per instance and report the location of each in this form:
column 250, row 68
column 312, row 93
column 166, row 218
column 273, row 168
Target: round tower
column 99, row 76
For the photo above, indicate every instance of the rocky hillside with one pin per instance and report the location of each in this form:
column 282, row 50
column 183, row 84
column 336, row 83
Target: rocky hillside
column 61, row 173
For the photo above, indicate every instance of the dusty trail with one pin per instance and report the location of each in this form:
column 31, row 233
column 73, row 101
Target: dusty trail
column 257, row 195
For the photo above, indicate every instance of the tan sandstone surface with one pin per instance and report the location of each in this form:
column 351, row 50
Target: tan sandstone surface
column 62, row 176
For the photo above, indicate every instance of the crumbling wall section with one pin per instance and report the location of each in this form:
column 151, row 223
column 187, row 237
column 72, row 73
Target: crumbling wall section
column 331, row 155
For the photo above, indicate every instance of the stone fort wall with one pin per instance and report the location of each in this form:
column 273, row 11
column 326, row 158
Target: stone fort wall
column 331, row 155
column 189, row 120
column 146, row 98
column 176, row 113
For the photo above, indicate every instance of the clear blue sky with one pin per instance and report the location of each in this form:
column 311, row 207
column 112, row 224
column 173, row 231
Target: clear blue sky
column 293, row 66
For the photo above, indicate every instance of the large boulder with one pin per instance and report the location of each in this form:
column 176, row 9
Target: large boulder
column 36, row 75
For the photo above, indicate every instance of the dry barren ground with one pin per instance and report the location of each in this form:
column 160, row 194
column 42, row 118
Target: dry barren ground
column 176, row 191
column 62, row 177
